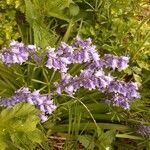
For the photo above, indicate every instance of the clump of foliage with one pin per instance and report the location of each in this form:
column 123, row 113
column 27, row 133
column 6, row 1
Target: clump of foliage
column 18, row 128
column 8, row 24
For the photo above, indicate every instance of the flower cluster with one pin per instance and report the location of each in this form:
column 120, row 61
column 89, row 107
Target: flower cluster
column 42, row 102
column 16, row 53
column 79, row 52
column 116, row 62
column 56, row 62
column 144, row 130
column 82, row 51
column 123, row 93
column 92, row 77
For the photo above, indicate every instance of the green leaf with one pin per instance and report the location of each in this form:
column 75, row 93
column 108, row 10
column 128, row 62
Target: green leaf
column 31, row 13
column 137, row 70
column 36, row 136
column 19, row 126
column 143, row 65
column 3, row 145
column 74, row 9
column 86, row 141
column 43, row 36
column 106, row 139
column 129, row 71
column 57, row 9
column 107, row 47
column 137, row 78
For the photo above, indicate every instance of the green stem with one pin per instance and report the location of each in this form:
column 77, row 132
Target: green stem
column 91, row 126
column 68, row 32
column 129, row 136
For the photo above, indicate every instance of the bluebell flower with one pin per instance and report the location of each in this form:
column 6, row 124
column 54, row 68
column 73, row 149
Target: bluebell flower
column 121, row 101
column 143, row 130
column 116, row 62
column 92, row 77
column 123, row 62
column 42, row 102
column 56, row 62
column 16, row 53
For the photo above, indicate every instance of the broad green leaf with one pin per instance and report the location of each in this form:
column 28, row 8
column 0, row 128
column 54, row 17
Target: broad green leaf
column 3, row 145
column 43, row 36
column 19, row 126
column 36, row 136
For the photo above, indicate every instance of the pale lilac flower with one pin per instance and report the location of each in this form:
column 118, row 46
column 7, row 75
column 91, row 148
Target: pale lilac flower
column 111, row 61
column 84, row 51
column 81, row 51
column 42, row 102
column 43, row 118
column 56, row 62
column 16, row 53
column 65, row 50
column 32, row 48
column 92, row 77
column 121, row 101
column 78, row 42
column 114, row 62
column 86, row 79
column 122, row 93
column 129, row 90
column 123, row 62
column 66, row 84
column 144, row 130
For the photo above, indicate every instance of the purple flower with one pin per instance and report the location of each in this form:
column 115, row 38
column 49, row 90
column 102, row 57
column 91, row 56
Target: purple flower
column 78, row 42
column 123, row 62
column 123, row 93
column 56, row 62
column 80, row 56
column 43, row 118
column 111, row 61
column 114, row 62
column 65, row 50
column 17, row 53
column 92, row 77
column 132, row 90
column 67, row 84
column 42, row 102
column 144, row 130
column 86, row 79
column 84, row 51
column 121, row 101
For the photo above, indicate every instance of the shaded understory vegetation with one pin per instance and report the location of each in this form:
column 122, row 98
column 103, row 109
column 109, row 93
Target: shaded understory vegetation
column 77, row 118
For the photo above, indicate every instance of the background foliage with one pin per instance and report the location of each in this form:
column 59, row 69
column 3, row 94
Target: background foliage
column 119, row 27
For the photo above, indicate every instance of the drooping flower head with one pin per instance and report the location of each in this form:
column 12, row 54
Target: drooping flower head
column 143, row 130
column 114, row 62
column 16, row 53
column 93, row 76
column 42, row 102
column 57, row 62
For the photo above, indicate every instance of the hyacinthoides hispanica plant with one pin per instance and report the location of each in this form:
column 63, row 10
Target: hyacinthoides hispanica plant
column 58, row 79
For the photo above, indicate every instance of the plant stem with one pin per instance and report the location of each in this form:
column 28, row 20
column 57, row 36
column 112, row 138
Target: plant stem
column 68, row 32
